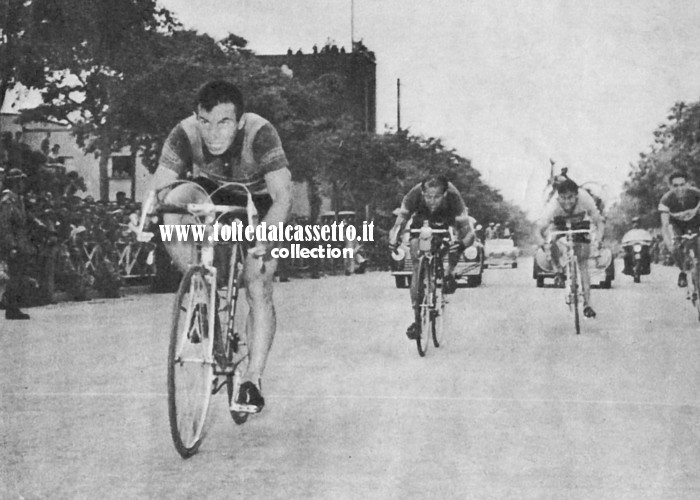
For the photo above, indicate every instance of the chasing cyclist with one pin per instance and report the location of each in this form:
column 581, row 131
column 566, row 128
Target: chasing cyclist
column 576, row 206
column 437, row 201
column 679, row 214
column 222, row 143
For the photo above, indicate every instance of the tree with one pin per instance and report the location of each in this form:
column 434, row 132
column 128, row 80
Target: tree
column 676, row 147
column 20, row 54
column 88, row 49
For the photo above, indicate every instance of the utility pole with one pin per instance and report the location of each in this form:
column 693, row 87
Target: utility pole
column 352, row 25
column 398, row 104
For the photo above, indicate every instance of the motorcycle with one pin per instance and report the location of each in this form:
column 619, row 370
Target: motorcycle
column 636, row 244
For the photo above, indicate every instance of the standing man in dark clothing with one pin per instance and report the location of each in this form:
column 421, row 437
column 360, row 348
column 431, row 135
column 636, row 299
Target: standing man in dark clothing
column 14, row 240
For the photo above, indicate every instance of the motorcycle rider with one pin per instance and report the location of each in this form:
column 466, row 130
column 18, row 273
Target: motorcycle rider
column 636, row 236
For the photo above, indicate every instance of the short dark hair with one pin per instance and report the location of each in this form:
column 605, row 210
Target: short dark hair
column 567, row 186
column 677, row 175
column 220, row 92
column 435, row 181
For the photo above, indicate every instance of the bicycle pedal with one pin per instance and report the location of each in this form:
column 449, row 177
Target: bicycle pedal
column 239, row 408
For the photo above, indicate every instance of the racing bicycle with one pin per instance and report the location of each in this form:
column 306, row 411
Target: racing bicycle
column 574, row 289
column 431, row 299
column 206, row 352
column 691, row 265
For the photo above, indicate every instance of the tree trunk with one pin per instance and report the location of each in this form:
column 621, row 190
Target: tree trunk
column 134, row 151
column 314, row 199
column 104, row 172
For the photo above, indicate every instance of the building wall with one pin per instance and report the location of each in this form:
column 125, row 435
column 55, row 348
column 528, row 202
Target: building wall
column 357, row 69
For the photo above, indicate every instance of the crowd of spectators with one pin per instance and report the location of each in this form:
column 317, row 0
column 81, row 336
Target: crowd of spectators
column 79, row 246
column 83, row 248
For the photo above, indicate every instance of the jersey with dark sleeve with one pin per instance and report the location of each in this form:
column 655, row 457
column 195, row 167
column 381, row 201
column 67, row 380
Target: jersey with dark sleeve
column 585, row 207
column 671, row 203
column 452, row 206
column 268, row 154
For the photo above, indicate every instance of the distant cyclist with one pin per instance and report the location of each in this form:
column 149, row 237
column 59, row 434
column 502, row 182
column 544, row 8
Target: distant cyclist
column 679, row 214
column 437, row 201
column 576, row 206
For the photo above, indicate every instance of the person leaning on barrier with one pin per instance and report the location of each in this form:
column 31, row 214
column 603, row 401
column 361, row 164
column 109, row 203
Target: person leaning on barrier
column 14, row 240
column 222, row 143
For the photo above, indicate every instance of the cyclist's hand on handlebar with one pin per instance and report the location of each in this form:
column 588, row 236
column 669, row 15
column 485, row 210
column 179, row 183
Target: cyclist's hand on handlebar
column 144, row 236
column 259, row 250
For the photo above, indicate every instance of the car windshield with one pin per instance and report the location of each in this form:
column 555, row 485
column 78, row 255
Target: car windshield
column 501, row 242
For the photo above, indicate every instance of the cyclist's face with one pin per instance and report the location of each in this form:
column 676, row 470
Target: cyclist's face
column 433, row 196
column 568, row 201
column 218, row 126
column 678, row 185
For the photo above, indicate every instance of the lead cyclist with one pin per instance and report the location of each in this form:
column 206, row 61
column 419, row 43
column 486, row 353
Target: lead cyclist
column 222, row 143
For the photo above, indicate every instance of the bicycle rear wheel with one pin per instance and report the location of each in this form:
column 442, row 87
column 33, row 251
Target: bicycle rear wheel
column 574, row 287
column 425, row 302
column 438, row 313
column 191, row 376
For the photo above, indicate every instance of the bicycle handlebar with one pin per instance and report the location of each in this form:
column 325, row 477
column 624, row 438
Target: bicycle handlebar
column 570, row 231
column 433, row 232
column 198, row 209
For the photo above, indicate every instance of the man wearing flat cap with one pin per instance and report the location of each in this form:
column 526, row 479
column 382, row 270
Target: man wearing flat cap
column 14, row 240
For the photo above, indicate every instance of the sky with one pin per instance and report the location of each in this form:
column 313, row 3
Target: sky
column 508, row 84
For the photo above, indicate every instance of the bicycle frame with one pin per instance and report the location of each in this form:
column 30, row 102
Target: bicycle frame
column 574, row 290
column 429, row 308
column 691, row 263
column 222, row 356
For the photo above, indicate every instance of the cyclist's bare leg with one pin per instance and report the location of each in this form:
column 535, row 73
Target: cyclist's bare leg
column 555, row 256
column 413, row 247
column 583, row 252
column 262, row 321
column 452, row 261
column 183, row 252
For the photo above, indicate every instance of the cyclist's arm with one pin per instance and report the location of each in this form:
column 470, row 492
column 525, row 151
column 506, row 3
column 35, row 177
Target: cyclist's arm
column 666, row 230
column 597, row 219
column 397, row 230
column 161, row 178
column 279, row 185
column 465, row 230
column 541, row 232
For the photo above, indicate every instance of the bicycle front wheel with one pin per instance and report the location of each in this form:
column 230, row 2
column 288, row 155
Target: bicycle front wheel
column 191, row 376
column 425, row 303
column 440, row 301
column 574, row 291
column 696, row 288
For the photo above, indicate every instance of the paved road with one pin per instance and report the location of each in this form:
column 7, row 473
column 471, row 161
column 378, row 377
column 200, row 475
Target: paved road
column 514, row 406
